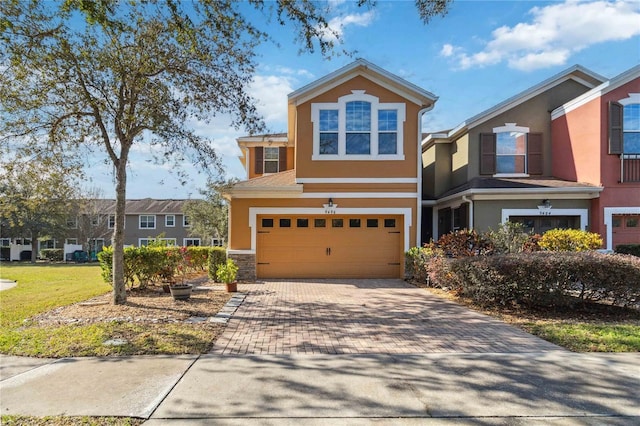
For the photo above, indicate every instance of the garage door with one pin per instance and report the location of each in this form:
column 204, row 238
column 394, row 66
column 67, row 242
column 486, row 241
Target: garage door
column 626, row 229
column 329, row 246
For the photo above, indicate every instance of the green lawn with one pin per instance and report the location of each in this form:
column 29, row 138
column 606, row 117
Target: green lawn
column 588, row 337
column 45, row 287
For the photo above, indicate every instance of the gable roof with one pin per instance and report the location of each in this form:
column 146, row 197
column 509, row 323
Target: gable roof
column 620, row 80
column 577, row 73
column 362, row 67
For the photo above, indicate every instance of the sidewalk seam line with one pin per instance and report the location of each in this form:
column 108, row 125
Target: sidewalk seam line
column 173, row 387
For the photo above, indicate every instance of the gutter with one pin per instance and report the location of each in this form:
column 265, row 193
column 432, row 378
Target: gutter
column 419, row 175
column 468, row 200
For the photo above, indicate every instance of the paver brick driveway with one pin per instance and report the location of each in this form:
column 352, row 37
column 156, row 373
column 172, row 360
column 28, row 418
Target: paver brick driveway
column 362, row 316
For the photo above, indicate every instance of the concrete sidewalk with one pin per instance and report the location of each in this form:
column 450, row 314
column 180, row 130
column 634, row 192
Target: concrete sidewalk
column 555, row 387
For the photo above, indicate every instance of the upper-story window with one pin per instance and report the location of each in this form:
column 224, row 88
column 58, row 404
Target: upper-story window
column 72, row 222
column 358, row 127
column 112, row 221
column 511, row 151
column 631, row 128
column 170, row 220
column 186, row 221
column 147, row 221
column 624, row 125
column 270, row 159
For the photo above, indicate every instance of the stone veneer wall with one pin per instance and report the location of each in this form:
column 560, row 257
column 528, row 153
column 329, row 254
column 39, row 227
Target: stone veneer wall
column 247, row 265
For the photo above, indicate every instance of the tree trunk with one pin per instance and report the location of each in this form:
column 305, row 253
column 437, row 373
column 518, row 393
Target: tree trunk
column 34, row 247
column 119, row 288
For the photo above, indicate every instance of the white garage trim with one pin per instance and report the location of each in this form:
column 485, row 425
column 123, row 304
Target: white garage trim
column 255, row 211
column 608, row 220
column 583, row 213
column 338, row 195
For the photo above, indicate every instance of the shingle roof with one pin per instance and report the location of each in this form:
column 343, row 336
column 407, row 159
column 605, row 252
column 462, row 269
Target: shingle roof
column 282, row 179
column 518, row 183
column 142, row 206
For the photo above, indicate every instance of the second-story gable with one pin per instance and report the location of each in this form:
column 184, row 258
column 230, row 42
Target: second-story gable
column 357, row 119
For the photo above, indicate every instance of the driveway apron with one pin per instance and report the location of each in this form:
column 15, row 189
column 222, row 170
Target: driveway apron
column 362, row 317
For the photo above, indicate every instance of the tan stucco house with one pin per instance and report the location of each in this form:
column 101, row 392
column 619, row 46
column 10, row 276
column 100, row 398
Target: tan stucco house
column 338, row 195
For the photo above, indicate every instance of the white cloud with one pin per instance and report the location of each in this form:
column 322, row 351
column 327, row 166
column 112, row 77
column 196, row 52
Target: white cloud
column 338, row 24
column 271, row 92
column 555, row 33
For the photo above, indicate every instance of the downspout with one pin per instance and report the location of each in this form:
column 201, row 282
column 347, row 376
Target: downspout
column 419, row 174
column 468, row 200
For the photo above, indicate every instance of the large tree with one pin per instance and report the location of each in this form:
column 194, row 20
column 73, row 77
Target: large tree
column 110, row 74
column 36, row 198
column 209, row 217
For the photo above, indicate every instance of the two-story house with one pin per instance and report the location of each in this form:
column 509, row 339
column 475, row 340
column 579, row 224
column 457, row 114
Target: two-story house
column 550, row 157
column 596, row 140
column 339, row 195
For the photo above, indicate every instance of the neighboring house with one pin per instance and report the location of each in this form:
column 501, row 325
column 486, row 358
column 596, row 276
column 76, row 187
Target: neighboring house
column 91, row 226
column 339, row 195
column 541, row 158
column 596, row 140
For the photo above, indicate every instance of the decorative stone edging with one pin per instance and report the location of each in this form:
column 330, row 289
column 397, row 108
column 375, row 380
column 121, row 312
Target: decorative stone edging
column 225, row 313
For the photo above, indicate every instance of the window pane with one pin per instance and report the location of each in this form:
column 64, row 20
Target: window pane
column 285, row 223
column 631, row 142
column 616, row 222
column 372, row 223
column 510, row 163
column 328, row 120
column 271, row 166
column 632, row 222
column 358, row 116
column 302, row 223
column 631, row 116
column 271, row 153
column 336, row 223
column 329, row 143
column 267, row 223
column 319, row 223
column 354, row 223
column 389, row 223
column 510, row 143
column 358, row 143
column 387, row 143
column 387, row 120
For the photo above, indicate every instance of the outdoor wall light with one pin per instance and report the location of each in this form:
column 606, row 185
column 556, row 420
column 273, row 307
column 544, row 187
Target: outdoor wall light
column 546, row 203
column 330, row 202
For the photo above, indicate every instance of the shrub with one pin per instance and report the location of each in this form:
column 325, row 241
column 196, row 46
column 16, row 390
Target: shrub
column 227, row 272
column 548, row 279
column 632, row 249
column 570, row 240
column 464, row 243
column 52, row 255
column 217, row 256
column 508, row 238
column 199, row 257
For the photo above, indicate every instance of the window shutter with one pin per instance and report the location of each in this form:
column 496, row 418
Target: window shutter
column 282, row 159
column 259, row 151
column 615, row 128
column 535, row 164
column 487, row 153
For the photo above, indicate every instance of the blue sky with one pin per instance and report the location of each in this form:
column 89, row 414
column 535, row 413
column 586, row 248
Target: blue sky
column 479, row 54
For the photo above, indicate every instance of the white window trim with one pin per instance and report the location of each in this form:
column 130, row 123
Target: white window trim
column 357, row 95
column 68, row 241
column 608, row 220
column 109, row 221
column 184, row 241
column 147, row 215
column 511, row 127
column 583, row 213
column 255, row 211
column 264, row 160
column 633, row 98
column 73, row 225
column 184, row 222
column 166, row 221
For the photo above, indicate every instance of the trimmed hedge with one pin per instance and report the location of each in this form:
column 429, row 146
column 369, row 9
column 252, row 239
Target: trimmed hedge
column 632, row 249
column 547, row 279
column 153, row 264
column 53, row 255
column 217, row 257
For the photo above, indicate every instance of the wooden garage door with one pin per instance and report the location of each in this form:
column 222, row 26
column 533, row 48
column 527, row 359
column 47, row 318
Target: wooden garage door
column 329, row 246
column 626, row 229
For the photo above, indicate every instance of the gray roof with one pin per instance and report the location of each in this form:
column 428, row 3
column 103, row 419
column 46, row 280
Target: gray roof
column 488, row 183
column 142, row 206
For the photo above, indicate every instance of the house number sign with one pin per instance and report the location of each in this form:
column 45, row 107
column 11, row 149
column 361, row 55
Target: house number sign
column 330, row 208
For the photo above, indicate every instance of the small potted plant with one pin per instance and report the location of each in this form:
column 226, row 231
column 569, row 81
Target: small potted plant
column 227, row 273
